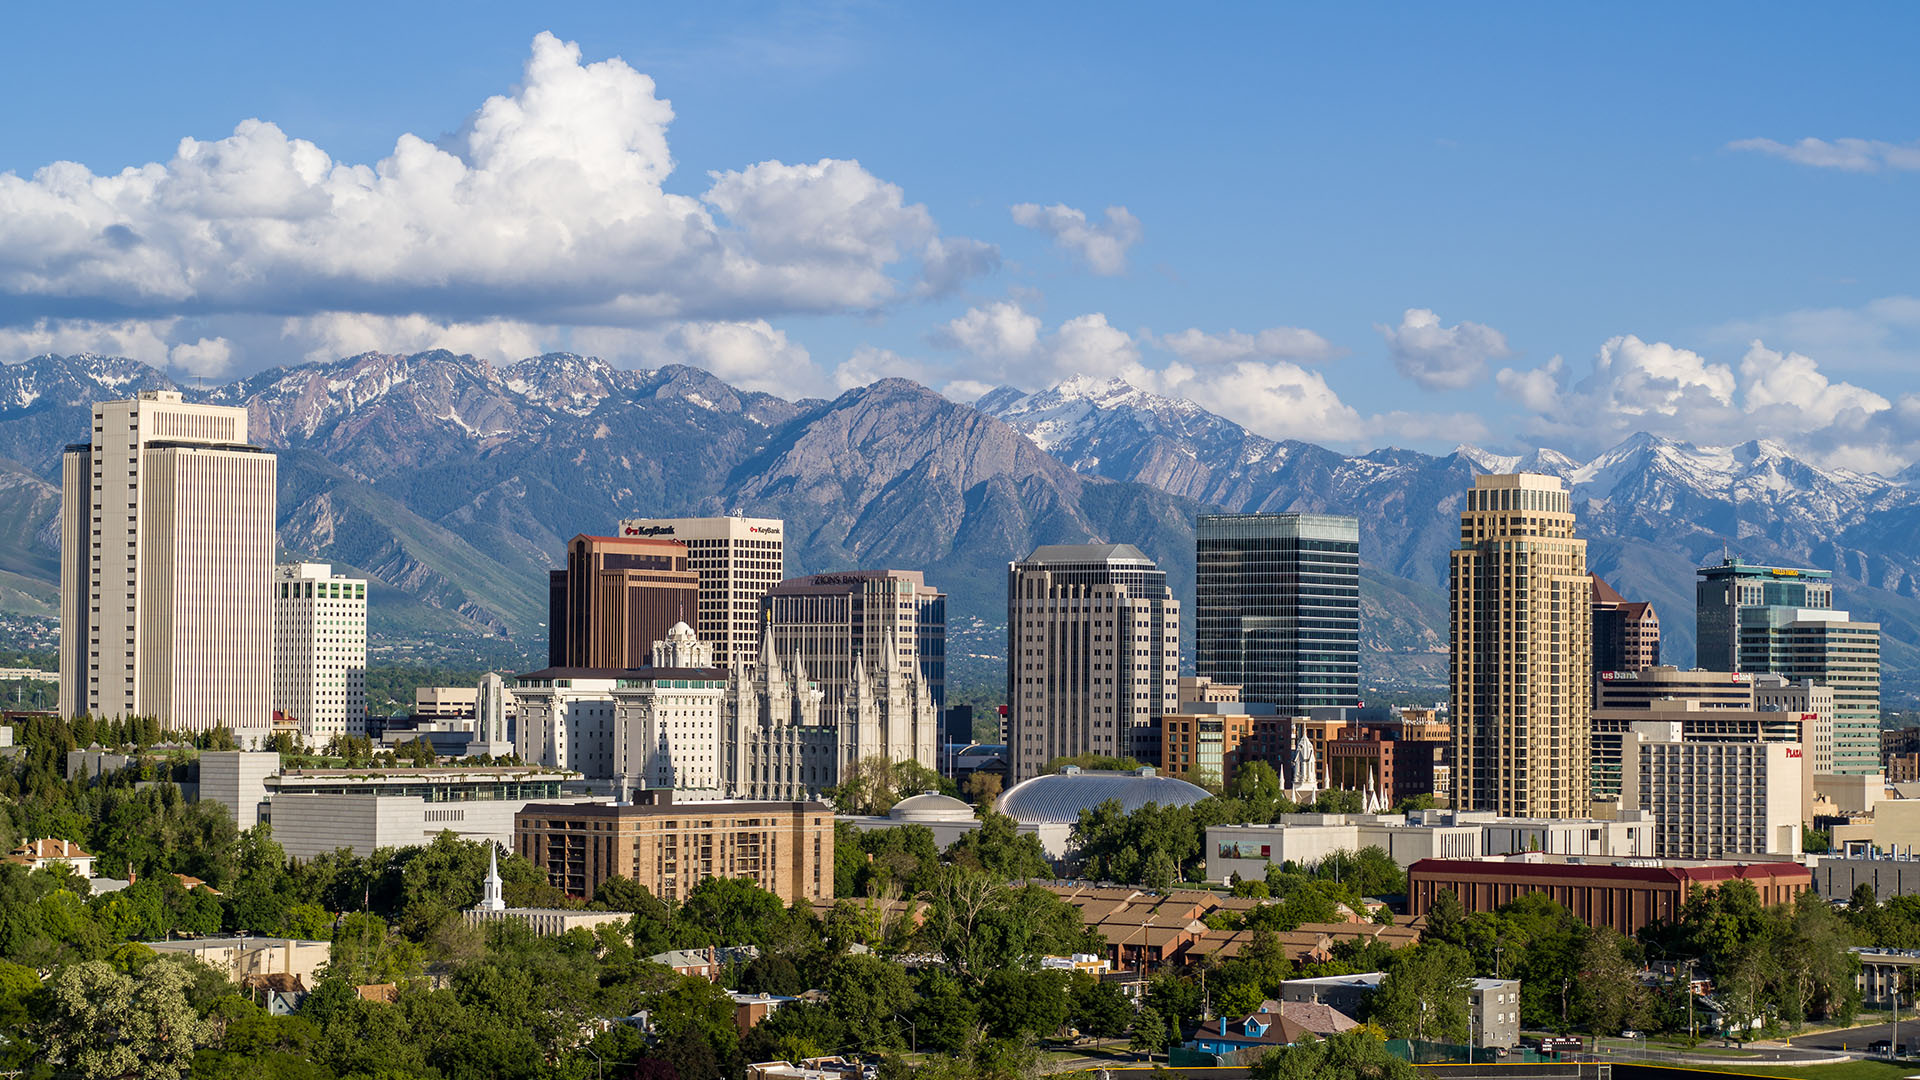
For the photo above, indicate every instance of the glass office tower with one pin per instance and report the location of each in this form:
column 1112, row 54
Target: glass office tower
column 1278, row 607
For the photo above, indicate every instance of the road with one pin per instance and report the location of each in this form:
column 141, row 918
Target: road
column 1855, row 1040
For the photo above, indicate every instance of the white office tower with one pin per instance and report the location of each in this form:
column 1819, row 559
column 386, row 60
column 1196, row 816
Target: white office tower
column 1093, row 654
column 738, row 560
column 490, row 718
column 167, row 532
column 320, row 650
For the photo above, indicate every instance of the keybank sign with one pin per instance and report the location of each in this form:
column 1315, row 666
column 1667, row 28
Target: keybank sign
column 649, row 530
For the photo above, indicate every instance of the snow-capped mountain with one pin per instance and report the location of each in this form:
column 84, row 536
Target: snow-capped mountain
column 1652, row 508
column 455, row 483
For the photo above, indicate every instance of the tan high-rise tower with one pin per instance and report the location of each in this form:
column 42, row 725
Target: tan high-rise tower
column 167, row 529
column 1522, row 674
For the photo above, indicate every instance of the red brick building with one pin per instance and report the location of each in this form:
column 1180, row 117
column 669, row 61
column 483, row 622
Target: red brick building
column 1623, row 897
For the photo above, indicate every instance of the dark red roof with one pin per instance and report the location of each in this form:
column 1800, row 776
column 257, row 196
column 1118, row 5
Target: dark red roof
column 1682, row 875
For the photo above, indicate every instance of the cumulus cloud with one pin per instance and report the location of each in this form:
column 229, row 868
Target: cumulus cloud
column 546, row 207
column 1850, row 155
column 1656, row 387
column 1277, row 343
column 869, row 365
column 1102, row 246
column 144, row 340
column 1002, row 330
column 333, row 334
column 1236, row 375
column 1442, row 357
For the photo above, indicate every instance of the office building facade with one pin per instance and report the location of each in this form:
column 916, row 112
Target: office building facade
column 1626, row 633
column 1724, row 591
column 320, row 650
column 737, row 559
column 1520, row 688
column 1826, row 648
column 1277, row 607
column 1093, row 654
column 617, row 596
column 167, row 544
column 878, row 618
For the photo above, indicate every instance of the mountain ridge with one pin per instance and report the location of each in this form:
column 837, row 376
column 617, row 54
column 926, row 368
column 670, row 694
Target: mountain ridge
column 455, row 483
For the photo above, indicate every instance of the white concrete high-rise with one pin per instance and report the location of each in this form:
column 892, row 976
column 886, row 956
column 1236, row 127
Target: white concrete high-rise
column 738, row 560
column 320, row 650
column 167, row 535
column 1093, row 654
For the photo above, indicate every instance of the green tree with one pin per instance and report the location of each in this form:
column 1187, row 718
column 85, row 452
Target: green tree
column 1351, row 1055
column 104, row 1024
column 864, row 993
column 1098, row 1009
column 1608, row 996
column 1425, row 995
column 728, row 911
column 1000, row 849
column 364, row 951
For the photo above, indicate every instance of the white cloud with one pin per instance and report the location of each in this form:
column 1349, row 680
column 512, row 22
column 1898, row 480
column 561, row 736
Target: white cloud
column 1537, row 390
column 1442, row 357
column 1103, row 247
column 547, row 207
column 206, row 357
column 869, row 364
column 334, row 334
column 966, row 390
column 1791, row 385
column 144, row 340
column 1850, row 155
column 1275, row 397
column 1001, row 330
column 751, row 355
column 1276, row 343
column 1655, row 387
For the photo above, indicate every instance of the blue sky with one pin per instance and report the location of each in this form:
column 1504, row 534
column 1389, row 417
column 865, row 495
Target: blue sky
column 1546, row 183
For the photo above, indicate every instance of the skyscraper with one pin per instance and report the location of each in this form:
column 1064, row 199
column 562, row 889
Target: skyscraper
column 1626, row 633
column 1521, row 683
column 1724, row 590
column 1829, row 649
column 1781, row 620
column 1278, row 607
column 320, row 650
column 738, row 560
column 167, row 534
column 617, row 596
column 1093, row 654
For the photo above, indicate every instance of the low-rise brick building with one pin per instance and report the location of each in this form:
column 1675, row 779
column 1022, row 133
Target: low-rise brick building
column 1623, row 895
column 669, row 847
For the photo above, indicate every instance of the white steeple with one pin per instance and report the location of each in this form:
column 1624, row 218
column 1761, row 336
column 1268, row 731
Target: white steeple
column 491, row 899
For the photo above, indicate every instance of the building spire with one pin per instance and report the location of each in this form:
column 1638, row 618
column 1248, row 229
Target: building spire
column 491, row 898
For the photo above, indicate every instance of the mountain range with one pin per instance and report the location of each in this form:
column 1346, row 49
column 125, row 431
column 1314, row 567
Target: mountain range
column 454, row 484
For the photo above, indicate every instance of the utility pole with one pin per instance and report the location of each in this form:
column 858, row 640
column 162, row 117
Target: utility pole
column 1689, row 991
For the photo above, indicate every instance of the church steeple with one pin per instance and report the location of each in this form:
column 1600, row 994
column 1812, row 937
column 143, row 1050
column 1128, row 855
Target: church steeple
column 491, row 898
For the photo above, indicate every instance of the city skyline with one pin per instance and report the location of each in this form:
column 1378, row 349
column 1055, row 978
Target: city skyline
column 955, row 268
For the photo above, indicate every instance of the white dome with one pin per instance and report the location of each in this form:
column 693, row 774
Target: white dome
column 931, row 807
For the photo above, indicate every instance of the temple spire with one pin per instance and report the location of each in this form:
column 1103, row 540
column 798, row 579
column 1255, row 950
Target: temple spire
column 492, row 898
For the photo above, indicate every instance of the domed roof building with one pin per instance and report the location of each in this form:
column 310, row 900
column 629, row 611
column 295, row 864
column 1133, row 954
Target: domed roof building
column 932, row 808
column 1058, row 798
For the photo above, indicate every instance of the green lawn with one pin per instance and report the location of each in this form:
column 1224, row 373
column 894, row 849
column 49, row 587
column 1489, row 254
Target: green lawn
column 1852, row 1070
